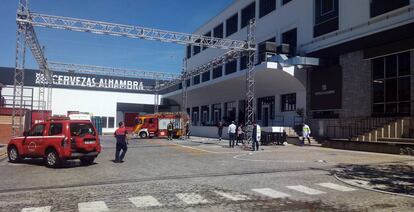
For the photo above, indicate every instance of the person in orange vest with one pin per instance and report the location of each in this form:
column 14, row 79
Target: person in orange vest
column 121, row 143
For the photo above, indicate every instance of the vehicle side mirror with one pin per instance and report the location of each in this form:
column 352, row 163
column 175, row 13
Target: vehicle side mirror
column 25, row 133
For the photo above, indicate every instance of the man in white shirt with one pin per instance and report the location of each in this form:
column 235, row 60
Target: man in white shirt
column 232, row 134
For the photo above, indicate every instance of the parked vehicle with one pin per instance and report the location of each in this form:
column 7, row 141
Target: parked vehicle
column 155, row 125
column 57, row 140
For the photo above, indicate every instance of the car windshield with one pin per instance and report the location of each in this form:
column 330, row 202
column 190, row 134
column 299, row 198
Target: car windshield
column 81, row 129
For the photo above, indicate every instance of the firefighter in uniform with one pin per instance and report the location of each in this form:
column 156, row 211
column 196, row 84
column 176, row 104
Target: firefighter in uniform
column 170, row 129
column 121, row 143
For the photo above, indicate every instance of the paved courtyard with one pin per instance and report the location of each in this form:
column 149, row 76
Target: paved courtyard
column 206, row 175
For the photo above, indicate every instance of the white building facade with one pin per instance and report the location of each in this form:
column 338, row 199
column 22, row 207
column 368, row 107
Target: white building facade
column 365, row 48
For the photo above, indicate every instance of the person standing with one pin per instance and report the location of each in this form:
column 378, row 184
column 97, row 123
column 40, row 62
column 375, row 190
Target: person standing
column 240, row 134
column 187, row 130
column 306, row 131
column 121, row 142
column 256, row 135
column 170, row 129
column 232, row 134
column 220, row 129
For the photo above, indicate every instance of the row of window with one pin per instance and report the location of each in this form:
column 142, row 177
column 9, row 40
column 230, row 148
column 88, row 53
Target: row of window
column 289, row 37
column 107, row 122
column 202, row 114
column 232, row 23
column 391, row 81
column 326, row 17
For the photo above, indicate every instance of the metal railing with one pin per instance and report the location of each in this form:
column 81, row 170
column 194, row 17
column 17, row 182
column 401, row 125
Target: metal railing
column 349, row 128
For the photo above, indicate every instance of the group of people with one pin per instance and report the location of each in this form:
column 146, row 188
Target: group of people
column 237, row 134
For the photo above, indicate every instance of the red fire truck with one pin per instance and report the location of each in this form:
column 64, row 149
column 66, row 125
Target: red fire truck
column 155, row 125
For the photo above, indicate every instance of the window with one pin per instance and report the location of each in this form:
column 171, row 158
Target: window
column 208, row 34
column 196, row 80
column 188, row 83
column 195, row 116
column 196, row 49
column 379, row 7
column 232, row 25
column 218, row 31
column 247, row 14
column 288, row 102
column 188, row 51
column 205, row 77
column 290, row 37
column 216, row 113
column 266, row 7
column 81, row 129
column 104, row 121
column 244, row 60
column 391, row 85
column 217, row 72
column 326, row 17
column 285, row 1
column 231, row 67
column 111, row 122
column 37, row 130
column 326, row 7
column 55, row 129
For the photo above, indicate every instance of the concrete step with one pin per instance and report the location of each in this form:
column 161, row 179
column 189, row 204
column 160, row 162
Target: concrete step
column 399, row 140
column 406, row 148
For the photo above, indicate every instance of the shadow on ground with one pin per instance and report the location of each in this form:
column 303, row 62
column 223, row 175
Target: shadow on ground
column 391, row 177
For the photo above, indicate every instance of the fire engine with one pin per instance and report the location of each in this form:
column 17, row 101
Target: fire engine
column 155, row 125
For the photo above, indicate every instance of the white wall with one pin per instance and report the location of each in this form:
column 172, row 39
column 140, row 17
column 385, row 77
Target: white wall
column 99, row 103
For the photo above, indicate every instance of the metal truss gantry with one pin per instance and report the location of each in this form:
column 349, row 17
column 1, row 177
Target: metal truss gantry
column 26, row 35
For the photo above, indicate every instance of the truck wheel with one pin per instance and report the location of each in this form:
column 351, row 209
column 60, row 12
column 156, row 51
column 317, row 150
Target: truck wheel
column 52, row 159
column 13, row 155
column 87, row 161
column 143, row 135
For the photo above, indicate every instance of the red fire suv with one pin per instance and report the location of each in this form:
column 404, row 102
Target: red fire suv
column 57, row 140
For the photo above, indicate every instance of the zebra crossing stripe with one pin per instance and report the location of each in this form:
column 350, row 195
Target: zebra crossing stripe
column 336, row 187
column 306, row 190
column 37, row 209
column 191, row 198
column 271, row 193
column 234, row 197
column 144, row 201
column 97, row 206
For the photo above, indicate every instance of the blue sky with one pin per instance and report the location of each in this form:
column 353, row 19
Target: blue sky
column 86, row 48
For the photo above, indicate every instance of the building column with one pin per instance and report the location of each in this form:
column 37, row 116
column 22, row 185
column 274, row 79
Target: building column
column 199, row 115
column 222, row 111
column 237, row 110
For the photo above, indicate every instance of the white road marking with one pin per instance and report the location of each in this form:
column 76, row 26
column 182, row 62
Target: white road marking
column 306, row 190
column 271, row 193
column 336, row 187
column 191, row 198
column 231, row 196
column 38, row 209
column 92, row 206
column 144, row 201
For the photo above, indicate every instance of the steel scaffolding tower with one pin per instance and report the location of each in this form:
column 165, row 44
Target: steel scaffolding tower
column 250, row 84
column 26, row 35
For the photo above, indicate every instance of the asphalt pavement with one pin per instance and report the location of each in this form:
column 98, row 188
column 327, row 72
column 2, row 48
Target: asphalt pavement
column 200, row 175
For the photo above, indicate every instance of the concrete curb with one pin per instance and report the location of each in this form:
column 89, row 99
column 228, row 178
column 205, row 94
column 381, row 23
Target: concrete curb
column 371, row 189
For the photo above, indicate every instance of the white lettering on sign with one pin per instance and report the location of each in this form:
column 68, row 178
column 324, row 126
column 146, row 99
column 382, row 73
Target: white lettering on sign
column 92, row 82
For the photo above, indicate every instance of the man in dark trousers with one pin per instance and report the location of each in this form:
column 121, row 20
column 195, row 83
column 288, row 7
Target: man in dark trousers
column 256, row 133
column 121, row 143
column 220, row 129
column 170, row 129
